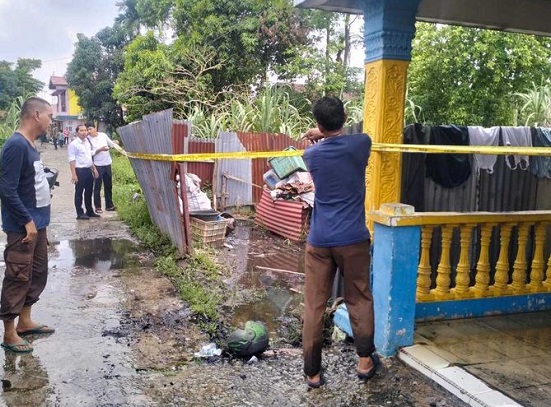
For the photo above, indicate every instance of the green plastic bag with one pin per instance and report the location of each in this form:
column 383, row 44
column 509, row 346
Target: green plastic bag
column 251, row 341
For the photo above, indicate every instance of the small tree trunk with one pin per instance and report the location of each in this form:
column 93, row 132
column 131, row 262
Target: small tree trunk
column 347, row 45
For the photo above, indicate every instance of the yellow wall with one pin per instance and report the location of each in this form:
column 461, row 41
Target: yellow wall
column 74, row 108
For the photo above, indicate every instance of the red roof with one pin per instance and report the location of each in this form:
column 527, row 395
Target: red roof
column 56, row 81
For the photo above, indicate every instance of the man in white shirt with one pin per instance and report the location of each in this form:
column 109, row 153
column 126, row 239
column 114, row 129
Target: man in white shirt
column 83, row 172
column 100, row 144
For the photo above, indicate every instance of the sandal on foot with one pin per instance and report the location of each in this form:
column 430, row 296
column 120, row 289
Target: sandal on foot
column 364, row 377
column 39, row 329
column 317, row 384
column 98, row 210
column 21, row 347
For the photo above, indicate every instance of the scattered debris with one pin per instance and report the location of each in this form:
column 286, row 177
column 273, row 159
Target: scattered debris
column 208, row 351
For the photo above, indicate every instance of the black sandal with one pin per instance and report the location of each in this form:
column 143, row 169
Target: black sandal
column 315, row 385
column 364, row 377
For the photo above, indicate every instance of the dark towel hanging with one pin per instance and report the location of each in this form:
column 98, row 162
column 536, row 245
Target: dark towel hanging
column 448, row 170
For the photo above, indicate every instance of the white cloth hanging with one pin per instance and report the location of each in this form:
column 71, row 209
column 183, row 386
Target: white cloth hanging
column 481, row 136
column 517, row 137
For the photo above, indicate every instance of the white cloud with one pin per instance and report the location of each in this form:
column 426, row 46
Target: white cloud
column 46, row 30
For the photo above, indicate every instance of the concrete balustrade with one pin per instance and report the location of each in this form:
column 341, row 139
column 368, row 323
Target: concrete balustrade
column 408, row 288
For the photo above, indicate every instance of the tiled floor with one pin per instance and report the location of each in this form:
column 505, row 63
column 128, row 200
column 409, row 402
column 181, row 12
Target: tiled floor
column 510, row 354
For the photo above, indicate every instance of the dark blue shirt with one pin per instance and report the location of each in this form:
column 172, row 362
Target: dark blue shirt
column 24, row 189
column 338, row 166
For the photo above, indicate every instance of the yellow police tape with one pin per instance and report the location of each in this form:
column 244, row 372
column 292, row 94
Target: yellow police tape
column 377, row 147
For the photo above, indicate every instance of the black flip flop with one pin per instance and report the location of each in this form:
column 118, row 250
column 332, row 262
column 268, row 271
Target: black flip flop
column 364, row 377
column 315, row 385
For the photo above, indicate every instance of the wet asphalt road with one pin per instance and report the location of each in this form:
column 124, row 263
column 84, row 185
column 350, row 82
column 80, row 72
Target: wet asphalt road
column 79, row 365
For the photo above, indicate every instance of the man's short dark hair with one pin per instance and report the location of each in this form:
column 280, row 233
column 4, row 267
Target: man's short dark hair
column 78, row 125
column 90, row 124
column 329, row 113
column 31, row 105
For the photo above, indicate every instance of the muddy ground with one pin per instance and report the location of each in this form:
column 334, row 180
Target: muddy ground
column 125, row 339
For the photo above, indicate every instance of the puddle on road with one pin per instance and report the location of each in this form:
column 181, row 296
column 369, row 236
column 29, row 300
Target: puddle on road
column 97, row 254
column 79, row 364
column 270, row 265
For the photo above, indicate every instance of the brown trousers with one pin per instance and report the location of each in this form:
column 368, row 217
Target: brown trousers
column 321, row 264
column 26, row 273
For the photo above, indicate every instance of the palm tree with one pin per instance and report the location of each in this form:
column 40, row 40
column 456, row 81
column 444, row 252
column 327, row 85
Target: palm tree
column 129, row 18
column 536, row 108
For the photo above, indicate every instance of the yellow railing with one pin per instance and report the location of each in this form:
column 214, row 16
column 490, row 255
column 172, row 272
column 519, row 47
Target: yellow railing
column 496, row 254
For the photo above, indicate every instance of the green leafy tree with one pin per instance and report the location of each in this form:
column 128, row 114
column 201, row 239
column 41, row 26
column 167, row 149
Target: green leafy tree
column 129, row 17
column 96, row 64
column 466, row 76
column 18, row 81
column 324, row 63
column 147, row 63
column 248, row 37
column 224, row 48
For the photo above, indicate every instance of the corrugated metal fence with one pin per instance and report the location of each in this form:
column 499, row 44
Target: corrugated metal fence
column 153, row 135
column 233, row 182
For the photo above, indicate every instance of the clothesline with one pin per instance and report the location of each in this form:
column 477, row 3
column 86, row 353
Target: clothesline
column 439, row 149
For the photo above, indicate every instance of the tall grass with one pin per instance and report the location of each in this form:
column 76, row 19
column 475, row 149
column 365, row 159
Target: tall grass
column 536, row 106
column 270, row 110
column 10, row 121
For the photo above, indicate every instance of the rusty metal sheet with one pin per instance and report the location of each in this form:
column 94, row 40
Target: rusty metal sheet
column 285, row 218
column 204, row 170
column 256, row 142
column 180, row 133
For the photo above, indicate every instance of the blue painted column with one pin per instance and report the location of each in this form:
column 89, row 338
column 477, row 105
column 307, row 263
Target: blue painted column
column 389, row 31
column 395, row 261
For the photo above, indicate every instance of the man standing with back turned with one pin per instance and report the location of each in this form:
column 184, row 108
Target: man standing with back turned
column 338, row 238
column 25, row 196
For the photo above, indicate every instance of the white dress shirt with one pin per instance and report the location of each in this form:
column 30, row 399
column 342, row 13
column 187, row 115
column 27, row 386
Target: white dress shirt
column 80, row 152
column 101, row 157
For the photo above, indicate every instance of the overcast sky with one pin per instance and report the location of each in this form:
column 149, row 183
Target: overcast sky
column 47, row 30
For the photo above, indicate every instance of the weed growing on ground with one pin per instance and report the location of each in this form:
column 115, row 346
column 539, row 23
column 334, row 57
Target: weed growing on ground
column 242, row 211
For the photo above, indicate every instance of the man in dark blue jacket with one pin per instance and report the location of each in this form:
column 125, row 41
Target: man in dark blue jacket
column 338, row 238
column 25, row 196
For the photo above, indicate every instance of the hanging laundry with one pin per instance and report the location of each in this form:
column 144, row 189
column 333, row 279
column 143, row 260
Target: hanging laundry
column 413, row 168
column 448, row 170
column 541, row 166
column 480, row 136
column 516, row 137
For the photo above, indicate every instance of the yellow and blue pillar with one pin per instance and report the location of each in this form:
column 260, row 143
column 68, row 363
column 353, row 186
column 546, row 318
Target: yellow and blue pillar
column 389, row 28
column 388, row 34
